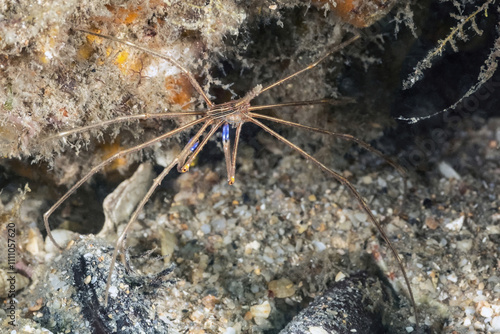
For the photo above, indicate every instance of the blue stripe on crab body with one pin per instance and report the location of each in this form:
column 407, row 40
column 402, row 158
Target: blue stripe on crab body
column 225, row 132
column 195, row 145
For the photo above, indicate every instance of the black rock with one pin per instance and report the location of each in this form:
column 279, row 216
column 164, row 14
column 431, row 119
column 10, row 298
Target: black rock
column 73, row 291
column 353, row 305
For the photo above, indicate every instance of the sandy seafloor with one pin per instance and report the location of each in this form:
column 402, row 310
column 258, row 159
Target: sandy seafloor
column 284, row 219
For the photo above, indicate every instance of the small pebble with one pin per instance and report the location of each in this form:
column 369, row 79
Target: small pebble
column 464, row 245
column 261, row 311
column 361, row 216
column 469, row 310
column 210, row 301
column 447, row 171
column 452, row 278
column 431, row 223
column 340, row 276
column 382, row 183
column 455, row 225
column 197, row 316
column 367, row 179
column 319, row 246
column 317, row 330
column 268, row 259
column 495, row 323
column 206, row 229
column 282, row 288
column 219, row 224
column 486, row 312
column 34, row 241
column 113, row 291
column 254, row 245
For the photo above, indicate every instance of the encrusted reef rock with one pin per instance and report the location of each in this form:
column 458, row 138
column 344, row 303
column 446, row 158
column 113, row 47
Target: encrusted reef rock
column 352, row 305
column 73, row 290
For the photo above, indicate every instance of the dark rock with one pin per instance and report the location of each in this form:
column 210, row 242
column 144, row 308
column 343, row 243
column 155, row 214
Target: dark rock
column 74, row 287
column 353, row 305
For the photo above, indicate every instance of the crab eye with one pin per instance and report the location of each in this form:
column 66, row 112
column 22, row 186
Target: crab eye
column 185, row 168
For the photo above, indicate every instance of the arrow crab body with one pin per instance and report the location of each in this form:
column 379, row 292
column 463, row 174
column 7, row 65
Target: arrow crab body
column 229, row 116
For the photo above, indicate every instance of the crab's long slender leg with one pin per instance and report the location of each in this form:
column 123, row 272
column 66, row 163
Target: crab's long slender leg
column 226, row 147
column 192, row 145
column 156, row 182
column 95, row 169
column 230, row 157
column 356, row 194
column 344, row 136
column 140, row 206
column 190, row 77
column 310, row 66
column 199, row 147
column 334, row 102
column 123, row 119
column 235, row 150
